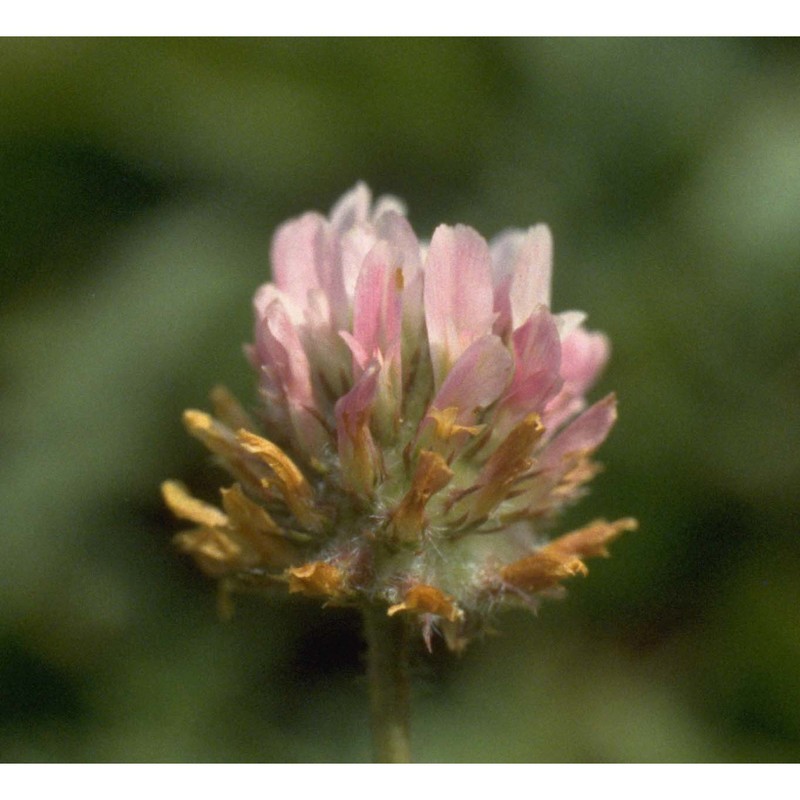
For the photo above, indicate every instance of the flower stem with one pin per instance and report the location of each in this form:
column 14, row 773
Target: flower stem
column 389, row 685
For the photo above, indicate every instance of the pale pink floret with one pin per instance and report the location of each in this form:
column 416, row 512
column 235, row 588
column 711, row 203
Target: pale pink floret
column 538, row 374
column 358, row 304
column 286, row 373
column 582, row 436
column 583, row 357
column 457, row 294
column 358, row 455
column 522, row 262
column 298, row 248
column 351, row 209
column 395, row 229
column 377, row 309
column 477, row 379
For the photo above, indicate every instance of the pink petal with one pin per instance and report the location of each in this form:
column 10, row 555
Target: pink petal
column 354, row 408
column 584, row 434
column 478, row 377
column 377, row 303
column 271, row 352
column 360, row 356
column 266, row 294
column 388, row 204
column 331, row 279
column 352, row 208
column 377, row 324
column 295, row 252
column 457, row 294
column 285, row 365
column 583, row 356
column 537, row 374
column 503, row 249
column 396, row 230
column 307, row 259
column 358, row 455
column 530, row 286
column 523, row 265
column 502, row 306
column 355, row 244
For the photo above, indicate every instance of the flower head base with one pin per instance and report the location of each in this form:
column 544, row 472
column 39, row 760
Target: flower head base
column 423, row 420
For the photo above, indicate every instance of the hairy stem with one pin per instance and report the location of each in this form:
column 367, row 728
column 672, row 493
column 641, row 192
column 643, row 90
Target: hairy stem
column 389, row 685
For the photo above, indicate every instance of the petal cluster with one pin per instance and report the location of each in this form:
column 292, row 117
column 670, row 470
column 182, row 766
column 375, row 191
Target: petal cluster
column 423, row 420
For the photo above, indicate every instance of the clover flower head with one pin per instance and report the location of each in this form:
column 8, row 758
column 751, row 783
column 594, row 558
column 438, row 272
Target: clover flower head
column 423, row 421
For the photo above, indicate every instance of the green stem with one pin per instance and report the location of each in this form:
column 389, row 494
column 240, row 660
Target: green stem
column 389, row 685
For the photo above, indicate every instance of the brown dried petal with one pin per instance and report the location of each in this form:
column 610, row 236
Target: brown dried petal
column 562, row 557
column 422, row 599
column 291, row 482
column 215, row 550
column 221, row 441
column 318, row 579
column 541, row 571
column 184, row 506
column 510, row 460
column 253, row 523
column 591, row 540
column 430, row 476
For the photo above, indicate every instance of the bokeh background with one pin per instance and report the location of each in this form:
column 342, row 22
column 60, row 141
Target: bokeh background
column 140, row 183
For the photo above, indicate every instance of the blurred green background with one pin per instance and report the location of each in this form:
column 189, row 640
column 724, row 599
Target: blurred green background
column 141, row 181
